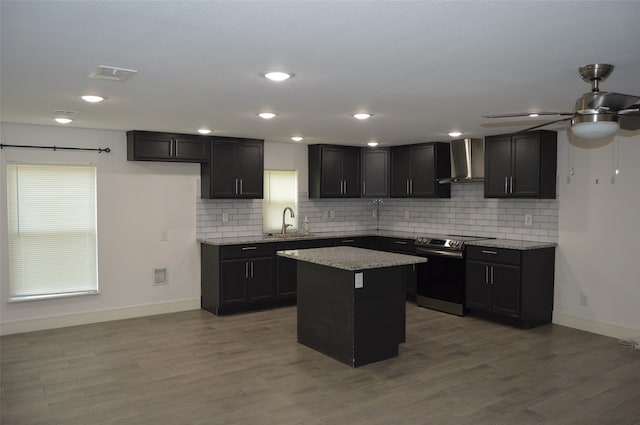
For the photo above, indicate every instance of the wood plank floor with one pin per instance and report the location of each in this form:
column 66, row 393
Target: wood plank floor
column 195, row 368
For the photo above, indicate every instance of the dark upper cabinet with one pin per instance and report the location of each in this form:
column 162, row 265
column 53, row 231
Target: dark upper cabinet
column 166, row 147
column 521, row 165
column 334, row 171
column 417, row 169
column 235, row 169
column 375, row 172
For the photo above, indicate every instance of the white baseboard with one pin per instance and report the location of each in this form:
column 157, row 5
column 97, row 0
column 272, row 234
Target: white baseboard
column 30, row 325
column 612, row 330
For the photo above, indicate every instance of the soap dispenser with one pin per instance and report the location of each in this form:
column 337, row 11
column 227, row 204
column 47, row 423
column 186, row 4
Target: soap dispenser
column 305, row 226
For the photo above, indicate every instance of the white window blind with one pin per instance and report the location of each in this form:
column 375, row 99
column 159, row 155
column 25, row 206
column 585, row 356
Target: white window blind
column 52, row 230
column 280, row 191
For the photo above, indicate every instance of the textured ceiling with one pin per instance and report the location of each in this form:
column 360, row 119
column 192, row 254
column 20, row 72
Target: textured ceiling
column 422, row 68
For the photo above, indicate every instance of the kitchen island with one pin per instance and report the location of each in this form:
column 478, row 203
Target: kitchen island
column 351, row 302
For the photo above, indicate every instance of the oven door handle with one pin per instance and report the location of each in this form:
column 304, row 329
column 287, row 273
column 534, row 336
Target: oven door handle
column 439, row 252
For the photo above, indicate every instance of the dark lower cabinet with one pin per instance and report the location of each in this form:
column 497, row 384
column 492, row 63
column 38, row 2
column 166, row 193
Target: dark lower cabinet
column 287, row 280
column 403, row 246
column 237, row 277
column 513, row 285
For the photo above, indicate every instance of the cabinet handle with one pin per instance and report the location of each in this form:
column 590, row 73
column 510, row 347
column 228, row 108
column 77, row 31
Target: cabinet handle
column 345, row 187
column 174, row 147
column 400, row 242
column 486, row 274
column 364, row 187
column 252, row 269
column 492, row 275
column 407, row 186
column 241, row 190
column 506, row 185
column 511, row 184
column 246, row 270
column 347, row 241
column 411, row 186
column 489, row 252
column 236, row 186
column 248, row 248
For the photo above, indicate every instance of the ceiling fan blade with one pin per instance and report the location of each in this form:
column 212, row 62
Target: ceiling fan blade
column 526, row 114
column 629, row 121
column 543, row 125
column 613, row 101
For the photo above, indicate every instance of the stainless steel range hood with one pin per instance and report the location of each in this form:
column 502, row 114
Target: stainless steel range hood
column 467, row 160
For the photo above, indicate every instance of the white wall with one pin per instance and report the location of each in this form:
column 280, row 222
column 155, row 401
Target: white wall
column 137, row 201
column 599, row 236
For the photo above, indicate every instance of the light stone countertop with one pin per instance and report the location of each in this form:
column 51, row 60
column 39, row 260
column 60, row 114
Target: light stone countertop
column 511, row 244
column 350, row 258
column 295, row 236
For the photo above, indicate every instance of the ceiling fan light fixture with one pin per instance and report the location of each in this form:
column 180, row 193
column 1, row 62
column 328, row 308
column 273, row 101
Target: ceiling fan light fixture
column 594, row 126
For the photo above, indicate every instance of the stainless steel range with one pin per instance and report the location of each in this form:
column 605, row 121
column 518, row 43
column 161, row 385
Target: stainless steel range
column 441, row 281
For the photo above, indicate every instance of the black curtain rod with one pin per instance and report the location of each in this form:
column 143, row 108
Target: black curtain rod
column 55, row 148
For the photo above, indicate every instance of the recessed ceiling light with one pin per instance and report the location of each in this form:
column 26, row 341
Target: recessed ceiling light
column 267, row 115
column 455, row 134
column 533, row 115
column 297, row 138
column 204, row 131
column 277, row 76
column 62, row 116
column 372, row 143
column 362, row 116
column 92, row 98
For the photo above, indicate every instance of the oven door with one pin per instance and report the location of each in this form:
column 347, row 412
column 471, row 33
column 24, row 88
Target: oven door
column 441, row 282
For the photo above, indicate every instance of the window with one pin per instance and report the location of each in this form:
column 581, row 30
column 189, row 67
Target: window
column 52, row 230
column 280, row 191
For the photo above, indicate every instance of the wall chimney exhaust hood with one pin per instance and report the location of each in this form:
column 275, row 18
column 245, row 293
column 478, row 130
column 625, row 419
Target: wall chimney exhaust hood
column 467, row 161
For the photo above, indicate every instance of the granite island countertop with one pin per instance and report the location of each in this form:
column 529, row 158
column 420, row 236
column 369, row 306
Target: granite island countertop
column 511, row 244
column 350, row 258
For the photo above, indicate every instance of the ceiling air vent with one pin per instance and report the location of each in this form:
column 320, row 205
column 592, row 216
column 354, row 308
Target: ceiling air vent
column 112, row 73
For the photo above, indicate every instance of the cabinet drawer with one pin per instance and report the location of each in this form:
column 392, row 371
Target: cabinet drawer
column 494, row 255
column 247, row 250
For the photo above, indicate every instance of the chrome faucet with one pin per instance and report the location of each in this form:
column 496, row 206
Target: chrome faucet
column 285, row 225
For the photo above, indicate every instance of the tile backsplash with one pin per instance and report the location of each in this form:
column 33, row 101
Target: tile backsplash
column 466, row 212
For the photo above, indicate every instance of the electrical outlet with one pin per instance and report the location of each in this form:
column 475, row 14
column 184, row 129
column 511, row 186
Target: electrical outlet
column 584, row 300
column 164, row 235
column 225, row 217
column 528, row 220
column 325, row 214
column 332, row 214
column 406, row 214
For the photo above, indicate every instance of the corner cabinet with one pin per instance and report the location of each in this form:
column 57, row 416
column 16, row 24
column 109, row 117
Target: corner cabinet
column 509, row 284
column 521, row 165
column 375, row 172
column 235, row 169
column 166, row 147
column 417, row 169
column 334, row 171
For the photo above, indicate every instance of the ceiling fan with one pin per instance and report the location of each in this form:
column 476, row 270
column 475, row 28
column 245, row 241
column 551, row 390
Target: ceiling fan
column 597, row 114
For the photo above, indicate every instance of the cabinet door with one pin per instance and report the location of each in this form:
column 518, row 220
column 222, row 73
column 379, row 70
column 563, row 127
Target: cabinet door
column 187, row 148
column 233, row 282
column 525, row 150
column 224, row 169
column 505, row 285
column 331, row 172
column 375, row 172
column 261, row 284
column 422, row 182
column 497, row 167
column 149, row 146
column 478, row 288
column 250, row 169
column 400, row 172
column 350, row 169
